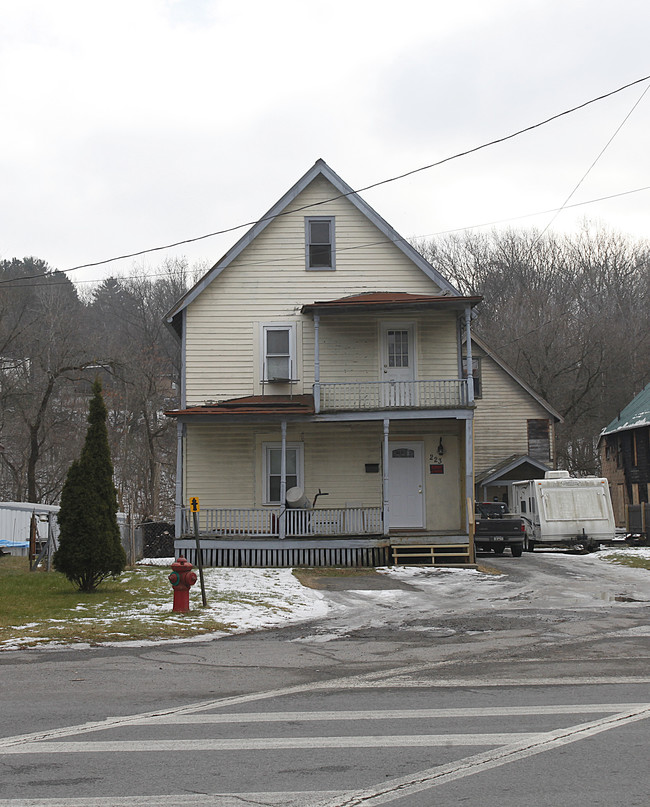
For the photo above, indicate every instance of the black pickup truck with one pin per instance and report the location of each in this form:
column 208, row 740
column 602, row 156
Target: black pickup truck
column 496, row 529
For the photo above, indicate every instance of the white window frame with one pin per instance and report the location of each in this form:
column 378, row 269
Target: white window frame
column 299, row 448
column 308, row 243
column 279, row 326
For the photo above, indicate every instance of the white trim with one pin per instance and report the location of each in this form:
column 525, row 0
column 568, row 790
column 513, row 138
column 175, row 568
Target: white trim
column 294, row 369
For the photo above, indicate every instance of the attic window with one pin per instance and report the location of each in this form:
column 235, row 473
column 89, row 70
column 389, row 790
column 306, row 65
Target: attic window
column 319, row 242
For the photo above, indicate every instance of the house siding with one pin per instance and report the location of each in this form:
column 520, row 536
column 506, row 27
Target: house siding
column 502, row 415
column 268, row 282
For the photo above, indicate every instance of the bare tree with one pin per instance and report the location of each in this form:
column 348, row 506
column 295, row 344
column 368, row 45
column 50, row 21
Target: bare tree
column 568, row 313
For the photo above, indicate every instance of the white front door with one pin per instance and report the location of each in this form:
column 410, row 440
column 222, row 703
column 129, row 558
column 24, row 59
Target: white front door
column 406, row 484
column 398, row 364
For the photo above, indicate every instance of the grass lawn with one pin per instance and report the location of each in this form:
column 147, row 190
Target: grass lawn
column 634, row 558
column 42, row 607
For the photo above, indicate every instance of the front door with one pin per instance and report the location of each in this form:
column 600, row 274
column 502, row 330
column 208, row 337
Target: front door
column 398, row 364
column 406, row 485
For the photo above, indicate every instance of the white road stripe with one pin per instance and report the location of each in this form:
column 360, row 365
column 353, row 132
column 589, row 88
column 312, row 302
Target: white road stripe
column 386, row 714
column 177, row 746
column 318, row 798
column 441, row 775
column 404, row 680
column 393, row 678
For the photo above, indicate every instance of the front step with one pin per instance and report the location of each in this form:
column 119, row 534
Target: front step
column 431, row 555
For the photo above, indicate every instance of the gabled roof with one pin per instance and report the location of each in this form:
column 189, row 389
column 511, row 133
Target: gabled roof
column 633, row 416
column 506, row 466
column 488, row 350
column 320, row 168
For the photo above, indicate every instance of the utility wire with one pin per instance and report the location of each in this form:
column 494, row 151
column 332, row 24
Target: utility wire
column 17, row 282
column 456, row 156
column 600, row 154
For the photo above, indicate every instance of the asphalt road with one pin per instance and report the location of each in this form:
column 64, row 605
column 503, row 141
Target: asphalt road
column 525, row 690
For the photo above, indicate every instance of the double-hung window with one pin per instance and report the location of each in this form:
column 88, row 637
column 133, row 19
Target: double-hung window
column 273, row 469
column 319, row 242
column 279, row 353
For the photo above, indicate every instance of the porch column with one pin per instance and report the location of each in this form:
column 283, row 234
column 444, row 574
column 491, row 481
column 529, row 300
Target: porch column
column 316, row 364
column 385, row 480
column 282, row 526
column 178, row 510
column 468, row 352
column 469, row 467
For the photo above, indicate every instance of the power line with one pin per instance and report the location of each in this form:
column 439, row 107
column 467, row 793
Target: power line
column 600, row 154
column 456, row 156
column 17, row 282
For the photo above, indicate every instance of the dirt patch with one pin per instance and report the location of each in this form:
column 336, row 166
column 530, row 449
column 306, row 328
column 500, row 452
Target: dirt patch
column 331, row 578
column 485, row 569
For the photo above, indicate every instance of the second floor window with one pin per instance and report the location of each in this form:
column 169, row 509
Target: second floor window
column 319, row 237
column 279, row 353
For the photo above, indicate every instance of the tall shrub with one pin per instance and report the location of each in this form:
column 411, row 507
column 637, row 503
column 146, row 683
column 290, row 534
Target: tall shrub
column 89, row 538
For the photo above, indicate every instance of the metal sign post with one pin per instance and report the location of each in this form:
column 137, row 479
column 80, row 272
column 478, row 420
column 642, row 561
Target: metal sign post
column 195, row 508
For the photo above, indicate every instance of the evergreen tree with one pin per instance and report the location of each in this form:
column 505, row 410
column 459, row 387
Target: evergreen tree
column 89, row 540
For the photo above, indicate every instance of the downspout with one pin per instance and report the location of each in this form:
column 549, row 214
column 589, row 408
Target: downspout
column 385, row 480
column 468, row 354
column 469, row 427
column 316, row 364
column 178, row 510
column 469, row 470
column 181, row 434
column 282, row 525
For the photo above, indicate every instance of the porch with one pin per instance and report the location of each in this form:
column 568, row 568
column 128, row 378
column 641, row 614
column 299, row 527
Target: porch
column 347, row 537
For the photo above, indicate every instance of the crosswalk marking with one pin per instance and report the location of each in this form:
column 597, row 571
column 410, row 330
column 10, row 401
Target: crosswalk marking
column 497, row 748
column 270, row 743
column 386, row 714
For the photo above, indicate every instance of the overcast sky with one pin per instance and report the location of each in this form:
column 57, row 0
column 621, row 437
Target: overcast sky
column 135, row 123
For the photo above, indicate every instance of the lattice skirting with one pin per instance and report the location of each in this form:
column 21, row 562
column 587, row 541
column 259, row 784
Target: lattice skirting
column 283, row 558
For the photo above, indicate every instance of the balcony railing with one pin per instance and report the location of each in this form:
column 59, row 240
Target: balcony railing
column 371, row 395
column 230, row 522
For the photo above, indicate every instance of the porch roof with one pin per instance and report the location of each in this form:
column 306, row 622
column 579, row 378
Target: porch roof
column 389, row 301
column 252, row 405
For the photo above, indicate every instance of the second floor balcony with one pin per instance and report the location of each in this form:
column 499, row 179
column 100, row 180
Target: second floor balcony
column 379, row 395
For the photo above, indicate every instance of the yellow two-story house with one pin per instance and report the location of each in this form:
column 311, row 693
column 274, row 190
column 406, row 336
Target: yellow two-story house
column 324, row 416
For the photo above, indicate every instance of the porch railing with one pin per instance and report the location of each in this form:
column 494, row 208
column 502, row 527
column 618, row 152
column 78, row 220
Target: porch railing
column 368, row 395
column 295, row 523
column 333, row 521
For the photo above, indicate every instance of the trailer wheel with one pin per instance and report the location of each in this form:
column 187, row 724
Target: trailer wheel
column 529, row 545
column 498, row 550
column 517, row 550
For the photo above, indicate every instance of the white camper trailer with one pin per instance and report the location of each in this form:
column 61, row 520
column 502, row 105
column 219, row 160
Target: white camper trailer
column 560, row 510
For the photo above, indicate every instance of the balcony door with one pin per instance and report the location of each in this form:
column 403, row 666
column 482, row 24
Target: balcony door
column 398, row 364
column 406, row 485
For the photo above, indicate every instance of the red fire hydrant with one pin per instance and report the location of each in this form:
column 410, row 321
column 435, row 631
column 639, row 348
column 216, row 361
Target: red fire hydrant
column 181, row 578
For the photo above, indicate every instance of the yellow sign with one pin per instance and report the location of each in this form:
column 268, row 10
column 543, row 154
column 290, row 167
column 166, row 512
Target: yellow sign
column 194, row 504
